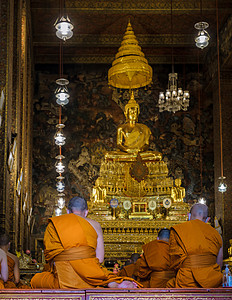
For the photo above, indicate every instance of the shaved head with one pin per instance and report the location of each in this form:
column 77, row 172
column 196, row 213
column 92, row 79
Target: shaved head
column 4, row 239
column 164, row 234
column 199, row 211
column 134, row 257
column 77, row 204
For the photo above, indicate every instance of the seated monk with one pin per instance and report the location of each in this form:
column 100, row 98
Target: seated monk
column 4, row 269
column 74, row 248
column 133, row 137
column 128, row 270
column 13, row 280
column 154, row 266
column 196, row 251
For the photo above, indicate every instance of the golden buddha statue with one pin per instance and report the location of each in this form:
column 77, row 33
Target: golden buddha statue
column 178, row 192
column 133, row 137
column 179, row 208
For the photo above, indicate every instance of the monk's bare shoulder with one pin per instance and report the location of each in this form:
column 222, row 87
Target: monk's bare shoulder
column 14, row 257
column 95, row 225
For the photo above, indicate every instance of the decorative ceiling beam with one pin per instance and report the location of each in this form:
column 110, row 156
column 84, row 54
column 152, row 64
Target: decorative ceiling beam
column 136, row 6
column 115, row 40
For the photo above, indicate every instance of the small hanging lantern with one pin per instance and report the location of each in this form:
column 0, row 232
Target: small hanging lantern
column 59, row 136
column 222, row 187
column 61, row 92
column 202, row 200
column 60, row 167
column 202, row 39
column 58, row 211
column 60, row 186
column 64, row 28
column 60, row 201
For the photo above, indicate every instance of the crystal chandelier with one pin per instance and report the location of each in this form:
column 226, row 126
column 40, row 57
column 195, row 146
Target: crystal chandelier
column 222, row 187
column 64, row 28
column 174, row 98
column 61, row 92
column 202, row 39
column 59, row 136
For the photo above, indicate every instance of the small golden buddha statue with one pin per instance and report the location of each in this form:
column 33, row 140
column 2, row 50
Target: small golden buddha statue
column 133, row 137
column 178, row 192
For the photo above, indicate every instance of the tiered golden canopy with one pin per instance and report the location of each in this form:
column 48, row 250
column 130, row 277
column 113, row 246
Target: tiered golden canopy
column 130, row 69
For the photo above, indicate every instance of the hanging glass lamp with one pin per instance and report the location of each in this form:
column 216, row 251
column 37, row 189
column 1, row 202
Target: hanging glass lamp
column 59, row 136
column 64, row 28
column 60, row 200
column 222, row 187
column 61, row 93
column 202, row 39
column 60, row 167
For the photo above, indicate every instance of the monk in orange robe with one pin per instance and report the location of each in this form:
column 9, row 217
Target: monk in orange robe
column 196, row 251
column 13, row 280
column 74, row 248
column 129, row 269
column 3, row 269
column 154, row 266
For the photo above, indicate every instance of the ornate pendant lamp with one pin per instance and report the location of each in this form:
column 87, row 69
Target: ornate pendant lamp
column 202, row 39
column 59, row 136
column 61, row 93
column 60, row 201
column 222, row 187
column 60, row 167
column 64, row 28
column 174, row 99
column 60, row 186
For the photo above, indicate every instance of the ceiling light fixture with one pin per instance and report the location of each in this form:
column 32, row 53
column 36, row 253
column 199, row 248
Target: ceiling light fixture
column 61, row 92
column 222, row 185
column 60, row 167
column 64, row 28
column 59, row 136
column 202, row 39
column 174, row 99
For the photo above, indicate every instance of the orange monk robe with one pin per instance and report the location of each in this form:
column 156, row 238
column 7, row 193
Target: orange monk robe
column 70, row 248
column 127, row 270
column 154, row 266
column 194, row 246
column 10, row 284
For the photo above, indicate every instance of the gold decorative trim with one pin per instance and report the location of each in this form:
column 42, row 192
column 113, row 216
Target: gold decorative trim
column 137, row 6
column 115, row 40
column 107, row 59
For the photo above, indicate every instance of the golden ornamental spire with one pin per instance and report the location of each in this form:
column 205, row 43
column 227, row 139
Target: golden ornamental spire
column 130, row 69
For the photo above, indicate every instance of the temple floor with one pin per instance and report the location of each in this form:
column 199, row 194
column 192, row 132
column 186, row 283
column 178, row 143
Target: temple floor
column 119, row 294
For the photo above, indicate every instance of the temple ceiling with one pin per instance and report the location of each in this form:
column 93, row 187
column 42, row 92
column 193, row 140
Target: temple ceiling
column 99, row 27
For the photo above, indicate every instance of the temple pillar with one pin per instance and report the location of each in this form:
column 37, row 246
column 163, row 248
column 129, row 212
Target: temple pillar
column 223, row 201
column 16, row 120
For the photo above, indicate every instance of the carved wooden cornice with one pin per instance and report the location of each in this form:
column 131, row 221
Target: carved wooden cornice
column 115, row 40
column 104, row 59
column 138, row 6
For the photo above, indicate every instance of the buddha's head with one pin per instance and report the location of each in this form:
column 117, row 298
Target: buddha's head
column 132, row 109
column 178, row 182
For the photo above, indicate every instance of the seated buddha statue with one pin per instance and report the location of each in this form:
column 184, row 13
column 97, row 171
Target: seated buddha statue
column 178, row 192
column 133, row 137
